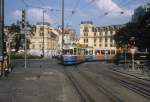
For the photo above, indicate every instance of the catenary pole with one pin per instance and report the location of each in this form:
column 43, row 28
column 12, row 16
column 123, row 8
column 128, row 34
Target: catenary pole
column 62, row 25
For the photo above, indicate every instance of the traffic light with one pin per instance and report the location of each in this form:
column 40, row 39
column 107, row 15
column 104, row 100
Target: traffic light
column 23, row 18
column 4, row 48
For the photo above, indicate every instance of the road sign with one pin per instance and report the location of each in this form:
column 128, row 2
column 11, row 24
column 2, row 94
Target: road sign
column 133, row 50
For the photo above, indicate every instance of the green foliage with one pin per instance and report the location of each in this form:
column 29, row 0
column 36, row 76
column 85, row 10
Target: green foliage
column 17, row 39
column 140, row 30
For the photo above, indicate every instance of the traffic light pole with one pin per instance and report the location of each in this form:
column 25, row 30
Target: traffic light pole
column 2, row 37
column 25, row 57
column 24, row 28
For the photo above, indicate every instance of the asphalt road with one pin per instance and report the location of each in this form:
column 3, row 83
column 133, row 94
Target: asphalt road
column 47, row 81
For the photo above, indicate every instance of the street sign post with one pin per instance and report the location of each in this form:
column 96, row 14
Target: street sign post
column 132, row 51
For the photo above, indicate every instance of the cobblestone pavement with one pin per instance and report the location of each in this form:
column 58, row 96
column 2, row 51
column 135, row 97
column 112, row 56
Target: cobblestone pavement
column 35, row 84
column 45, row 81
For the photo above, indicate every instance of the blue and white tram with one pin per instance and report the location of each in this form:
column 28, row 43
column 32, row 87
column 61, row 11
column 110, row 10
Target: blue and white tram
column 76, row 55
column 70, row 56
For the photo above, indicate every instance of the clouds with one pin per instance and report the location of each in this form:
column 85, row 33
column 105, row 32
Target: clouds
column 109, row 6
column 34, row 15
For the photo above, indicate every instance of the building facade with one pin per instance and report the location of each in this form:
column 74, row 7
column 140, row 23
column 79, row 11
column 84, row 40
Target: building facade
column 98, row 40
column 47, row 45
column 140, row 12
column 69, row 38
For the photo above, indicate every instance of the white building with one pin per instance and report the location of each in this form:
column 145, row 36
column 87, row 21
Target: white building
column 49, row 44
column 99, row 40
column 69, row 38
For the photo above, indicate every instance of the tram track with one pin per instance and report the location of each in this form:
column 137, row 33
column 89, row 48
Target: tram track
column 82, row 94
column 101, row 87
column 137, row 85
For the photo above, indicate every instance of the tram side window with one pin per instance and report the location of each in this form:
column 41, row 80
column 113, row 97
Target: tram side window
column 102, row 51
column 68, row 52
column 107, row 51
column 71, row 52
column 75, row 51
column 65, row 51
column 91, row 52
column 86, row 52
column 112, row 51
column 97, row 52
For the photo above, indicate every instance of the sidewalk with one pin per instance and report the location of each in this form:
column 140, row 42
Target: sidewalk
column 32, row 85
column 145, row 74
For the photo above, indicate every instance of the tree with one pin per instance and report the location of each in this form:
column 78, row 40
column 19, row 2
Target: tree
column 15, row 37
column 140, row 30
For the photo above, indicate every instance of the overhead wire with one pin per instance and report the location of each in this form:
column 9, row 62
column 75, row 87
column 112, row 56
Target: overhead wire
column 83, row 7
column 86, row 5
column 113, row 9
column 31, row 6
column 26, row 4
column 74, row 11
column 44, row 8
column 92, row 1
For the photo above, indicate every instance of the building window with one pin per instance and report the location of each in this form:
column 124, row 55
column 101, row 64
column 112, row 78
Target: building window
column 33, row 46
column 85, row 29
column 94, row 34
column 106, row 45
column 33, row 34
column 111, row 32
column 94, row 40
column 40, row 46
column 106, row 33
column 41, row 29
column 94, row 44
column 106, row 39
column 111, row 40
column 85, row 40
column 111, row 45
column 93, row 29
column 96, row 30
column 85, row 34
column 41, row 34
column 100, row 45
column 100, row 34
column 100, row 39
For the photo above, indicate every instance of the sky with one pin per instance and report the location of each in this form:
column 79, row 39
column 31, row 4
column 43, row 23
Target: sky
column 75, row 11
